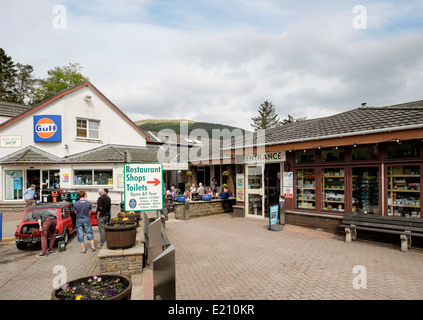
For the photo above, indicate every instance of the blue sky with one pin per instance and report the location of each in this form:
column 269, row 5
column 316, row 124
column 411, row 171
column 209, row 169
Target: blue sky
column 217, row 61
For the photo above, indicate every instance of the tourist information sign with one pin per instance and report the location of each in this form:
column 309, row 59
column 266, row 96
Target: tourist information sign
column 143, row 186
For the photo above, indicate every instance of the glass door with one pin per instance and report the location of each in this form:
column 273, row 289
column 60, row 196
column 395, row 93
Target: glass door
column 255, row 190
column 13, row 184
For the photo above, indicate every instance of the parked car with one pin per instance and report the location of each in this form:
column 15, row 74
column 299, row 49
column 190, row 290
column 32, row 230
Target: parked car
column 28, row 230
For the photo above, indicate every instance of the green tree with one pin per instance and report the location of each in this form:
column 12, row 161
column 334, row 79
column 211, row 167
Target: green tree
column 58, row 79
column 267, row 117
column 24, row 82
column 7, row 76
column 291, row 119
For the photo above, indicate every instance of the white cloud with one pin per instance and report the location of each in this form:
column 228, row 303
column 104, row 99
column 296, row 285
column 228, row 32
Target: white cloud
column 306, row 58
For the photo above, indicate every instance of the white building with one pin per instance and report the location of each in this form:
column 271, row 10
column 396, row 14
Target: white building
column 76, row 140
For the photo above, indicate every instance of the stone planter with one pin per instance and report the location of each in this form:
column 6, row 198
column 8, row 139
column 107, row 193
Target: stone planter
column 109, row 287
column 121, row 234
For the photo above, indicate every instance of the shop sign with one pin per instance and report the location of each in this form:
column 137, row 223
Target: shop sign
column 273, row 219
column 143, row 186
column 48, row 128
column 175, row 166
column 65, row 178
column 10, row 141
column 240, row 187
column 268, row 157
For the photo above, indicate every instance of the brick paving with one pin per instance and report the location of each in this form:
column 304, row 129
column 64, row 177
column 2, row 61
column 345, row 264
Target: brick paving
column 219, row 257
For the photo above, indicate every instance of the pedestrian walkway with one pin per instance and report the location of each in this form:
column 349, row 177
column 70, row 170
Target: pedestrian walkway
column 220, row 257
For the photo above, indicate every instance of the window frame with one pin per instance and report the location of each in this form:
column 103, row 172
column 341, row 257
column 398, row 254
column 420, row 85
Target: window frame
column 92, row 177
column 87, row 128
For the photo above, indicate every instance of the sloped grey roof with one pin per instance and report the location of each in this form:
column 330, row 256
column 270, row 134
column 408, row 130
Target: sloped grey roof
column 11, row 109
column 103, row 154
column 30, row 154
column 116, row 153
column 356, row 121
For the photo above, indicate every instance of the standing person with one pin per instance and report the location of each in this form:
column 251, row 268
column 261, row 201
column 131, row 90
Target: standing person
column 213, row 184
column 83, row 222
column 29, row 196
column 104, row 205
column 47, row 220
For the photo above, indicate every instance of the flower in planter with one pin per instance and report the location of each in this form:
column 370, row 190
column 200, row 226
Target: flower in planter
column 225, row 173
column 78, row 297
column 94, row 281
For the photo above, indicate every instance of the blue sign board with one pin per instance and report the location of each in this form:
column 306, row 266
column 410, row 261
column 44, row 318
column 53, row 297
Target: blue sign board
column 274, row 214
column 48, row 128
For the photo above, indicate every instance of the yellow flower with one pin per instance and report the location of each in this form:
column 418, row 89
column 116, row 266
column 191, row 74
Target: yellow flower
column 125, row 218
column 78, row 297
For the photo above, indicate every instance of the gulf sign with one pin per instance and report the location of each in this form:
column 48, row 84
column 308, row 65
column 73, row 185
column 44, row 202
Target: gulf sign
column 48, row 128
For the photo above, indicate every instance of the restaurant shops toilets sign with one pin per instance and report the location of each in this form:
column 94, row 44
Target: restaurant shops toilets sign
column 143, row 186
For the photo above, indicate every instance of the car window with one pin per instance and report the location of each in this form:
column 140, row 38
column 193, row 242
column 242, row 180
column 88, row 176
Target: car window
column 65, row 212
column 28, row 215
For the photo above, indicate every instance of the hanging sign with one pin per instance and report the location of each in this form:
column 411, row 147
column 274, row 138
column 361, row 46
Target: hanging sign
column 240, row 187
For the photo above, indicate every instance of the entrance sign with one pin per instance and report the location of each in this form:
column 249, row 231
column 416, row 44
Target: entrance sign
column 143, row 186
column 268, row 157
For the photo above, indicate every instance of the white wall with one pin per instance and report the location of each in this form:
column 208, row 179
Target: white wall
column 114, row 128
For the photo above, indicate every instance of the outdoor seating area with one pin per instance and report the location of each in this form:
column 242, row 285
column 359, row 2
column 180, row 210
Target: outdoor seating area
column 405, row 227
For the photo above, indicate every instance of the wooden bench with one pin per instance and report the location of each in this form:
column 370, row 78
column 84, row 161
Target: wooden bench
column 405, row 227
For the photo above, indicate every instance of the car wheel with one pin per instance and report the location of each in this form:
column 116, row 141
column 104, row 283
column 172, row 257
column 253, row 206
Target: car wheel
column 21, row 245
column 65, row 236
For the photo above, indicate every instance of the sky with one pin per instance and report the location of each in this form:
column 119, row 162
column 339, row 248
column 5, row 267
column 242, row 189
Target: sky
column 218, row 60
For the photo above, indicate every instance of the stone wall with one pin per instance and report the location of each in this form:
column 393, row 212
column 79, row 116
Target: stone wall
column 204, row 208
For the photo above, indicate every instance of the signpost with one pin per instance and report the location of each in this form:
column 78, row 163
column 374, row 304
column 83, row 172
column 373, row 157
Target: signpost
column 143, row 186
column 273, row 219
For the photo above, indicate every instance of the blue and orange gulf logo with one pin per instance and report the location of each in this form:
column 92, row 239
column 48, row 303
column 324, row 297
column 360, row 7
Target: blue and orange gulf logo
column 48, row 128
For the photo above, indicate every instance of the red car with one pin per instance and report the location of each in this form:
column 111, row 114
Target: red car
column 28, row 230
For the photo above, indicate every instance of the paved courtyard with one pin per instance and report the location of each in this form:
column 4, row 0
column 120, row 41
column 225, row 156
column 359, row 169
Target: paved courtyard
column 219, row 257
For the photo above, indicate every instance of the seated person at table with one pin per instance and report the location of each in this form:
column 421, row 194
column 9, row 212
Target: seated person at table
column 200, row 190
column 174, row 193
column 188, row 193
column 211, row 192
column 228, row 191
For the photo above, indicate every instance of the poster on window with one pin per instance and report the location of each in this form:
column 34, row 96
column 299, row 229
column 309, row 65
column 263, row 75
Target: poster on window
column 240, row 187
column 287, row 192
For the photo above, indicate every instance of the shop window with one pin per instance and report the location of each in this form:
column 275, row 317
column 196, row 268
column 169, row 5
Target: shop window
column 87, row 128
column 401, row 150
column 333, row 154
column 306, row 188
column 13, row 184
column 306, row 156
column 255, row 176
column 93, row 177
column 365, row 190
column 404, row 191
column 333, row 191
column 365, row 152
